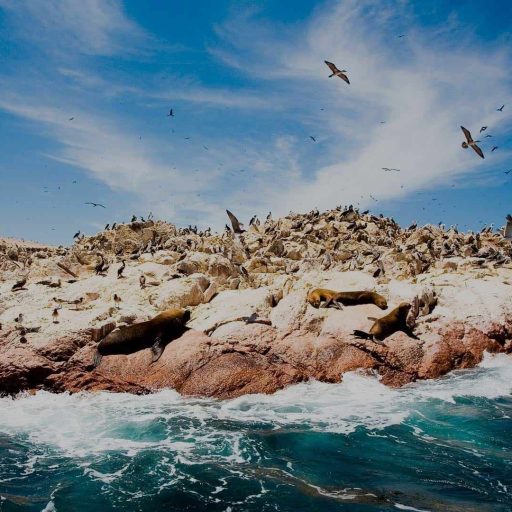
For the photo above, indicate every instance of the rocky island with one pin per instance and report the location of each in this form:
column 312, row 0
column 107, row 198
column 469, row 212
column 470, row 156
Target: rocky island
column 251, row 329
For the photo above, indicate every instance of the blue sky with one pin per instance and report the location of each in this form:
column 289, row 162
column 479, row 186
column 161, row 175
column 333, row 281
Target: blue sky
column 86, row 85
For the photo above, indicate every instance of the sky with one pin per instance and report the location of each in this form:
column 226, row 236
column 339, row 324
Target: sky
column 86, row 87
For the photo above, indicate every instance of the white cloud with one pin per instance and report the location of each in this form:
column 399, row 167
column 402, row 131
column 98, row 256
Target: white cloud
column 94, row 27
column 422, row 87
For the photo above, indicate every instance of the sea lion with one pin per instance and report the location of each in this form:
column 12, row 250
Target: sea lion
column 394, row 321
column 318, row 295
column 155, row 334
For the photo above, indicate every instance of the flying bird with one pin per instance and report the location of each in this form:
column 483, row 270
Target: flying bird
column 388, row 169
column 471, row 142
column 401, row 35
column 487, row 136
column 500, row 109
column 483, row 129
column 237, row 227
column 494, row 148
column 171, row 113
column 337, row 72
column 95, row 204
column 508, row 172
column 312, row 138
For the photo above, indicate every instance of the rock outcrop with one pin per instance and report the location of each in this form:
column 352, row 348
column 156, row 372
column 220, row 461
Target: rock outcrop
column 252, row 330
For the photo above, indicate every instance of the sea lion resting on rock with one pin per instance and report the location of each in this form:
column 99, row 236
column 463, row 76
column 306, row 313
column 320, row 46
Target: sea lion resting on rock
column 155, row 334
column 318, row 295
column 394, row 321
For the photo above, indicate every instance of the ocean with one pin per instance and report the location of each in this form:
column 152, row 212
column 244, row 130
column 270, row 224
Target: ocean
column 441, row 445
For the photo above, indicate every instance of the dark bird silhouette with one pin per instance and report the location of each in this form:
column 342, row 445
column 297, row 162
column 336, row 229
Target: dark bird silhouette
column 171, row 113
column 106, row 227
column 95, row 204
column 469, row 142
column 494, row 148
column 134, row 218
column 18, row 285
column 401, row 35
column 483, row 129
column 508, row 172
column 312, row 138
column 237, row 227
column 76, row 235
column 488, row 136
column 71, row 119
column 501, row 108
column 388, row 169
column 55, row 314
column 253, row 220
column 337, row 72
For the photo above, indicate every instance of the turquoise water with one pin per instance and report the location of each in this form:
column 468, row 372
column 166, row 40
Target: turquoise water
column 444, row 445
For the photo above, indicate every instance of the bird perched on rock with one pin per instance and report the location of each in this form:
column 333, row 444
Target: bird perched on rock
column 117, row 300
column 76, row 235
column 55, row 314
column 508, row 227
column 18, row 285
column 469, row 142
column 121, row 269
column 142, row 282
column 337, row 72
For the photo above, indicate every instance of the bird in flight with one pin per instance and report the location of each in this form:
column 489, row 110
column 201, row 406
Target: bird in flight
column 494, row 148
column 483, row 129
column 508, row 172
column 71, row 119
column 500, row 109
column 237, row 227
column 337, row 72
column 388, row 169
column 471, row 142
column 171, row 113
column 95, row 204
column 401, row 35
column 312, row 138
column 488, row 136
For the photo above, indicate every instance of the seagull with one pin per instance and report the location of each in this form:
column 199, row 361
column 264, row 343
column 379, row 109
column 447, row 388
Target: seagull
column 487, row 136
column 494, row 148
column 337, row 72
column 500, row 109
column 95, row 204
column 483, row 129
column 171, row 113
column 312, row 138
column 237, row 227
column 471, row 142
column 388, row 169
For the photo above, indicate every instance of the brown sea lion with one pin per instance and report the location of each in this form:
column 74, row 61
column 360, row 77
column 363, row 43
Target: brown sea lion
column 155, row 334
column 394, row 321
column 337, row 299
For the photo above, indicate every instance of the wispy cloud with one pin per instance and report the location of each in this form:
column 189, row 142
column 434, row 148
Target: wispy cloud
column 93, row 27
column 422, row 87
